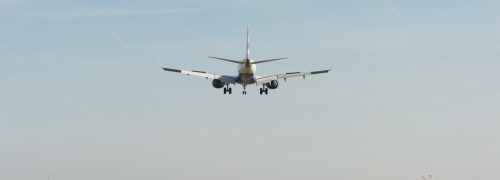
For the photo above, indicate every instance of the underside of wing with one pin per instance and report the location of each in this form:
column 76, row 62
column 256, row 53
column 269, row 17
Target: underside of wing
column 224, row 78
column 267, row 79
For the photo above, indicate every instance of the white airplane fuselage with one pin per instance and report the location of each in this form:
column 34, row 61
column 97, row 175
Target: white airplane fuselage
column 246, row 72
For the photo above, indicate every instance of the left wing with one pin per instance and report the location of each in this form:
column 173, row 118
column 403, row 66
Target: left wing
column 224, row 78
column 267, row 79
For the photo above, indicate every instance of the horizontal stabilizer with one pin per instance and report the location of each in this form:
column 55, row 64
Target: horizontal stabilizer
column 228, row 60
column 268, row 60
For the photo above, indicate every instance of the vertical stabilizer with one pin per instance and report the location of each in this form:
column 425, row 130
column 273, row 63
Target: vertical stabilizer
column 248, row 43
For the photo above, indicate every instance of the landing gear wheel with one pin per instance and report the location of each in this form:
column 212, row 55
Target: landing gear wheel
column 264, row 90
column 228, row 90
column 244, row 93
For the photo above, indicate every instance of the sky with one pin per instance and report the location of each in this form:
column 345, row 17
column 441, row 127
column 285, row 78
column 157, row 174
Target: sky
column 414, row 90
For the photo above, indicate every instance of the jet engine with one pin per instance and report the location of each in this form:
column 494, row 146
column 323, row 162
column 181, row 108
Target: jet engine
column 217, row 83
column 273, row 84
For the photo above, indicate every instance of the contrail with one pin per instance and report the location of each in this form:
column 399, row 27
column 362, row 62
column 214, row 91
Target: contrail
column 124, row 46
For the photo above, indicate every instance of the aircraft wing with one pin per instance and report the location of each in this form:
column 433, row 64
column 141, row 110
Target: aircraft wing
column 224, row 78
column 267, row 79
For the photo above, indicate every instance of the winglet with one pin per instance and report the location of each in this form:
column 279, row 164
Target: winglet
column 322, row 71
column 172, row 70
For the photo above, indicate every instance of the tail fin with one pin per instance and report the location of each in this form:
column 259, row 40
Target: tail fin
column 248, row 43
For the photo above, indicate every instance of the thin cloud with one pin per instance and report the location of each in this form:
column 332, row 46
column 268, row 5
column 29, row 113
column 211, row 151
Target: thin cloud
column 71, row 9
column 7, row 3
column 69, row 3
column 130, row 12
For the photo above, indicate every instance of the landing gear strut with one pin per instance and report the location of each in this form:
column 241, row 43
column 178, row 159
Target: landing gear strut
column 263, row 90
column 227, row 89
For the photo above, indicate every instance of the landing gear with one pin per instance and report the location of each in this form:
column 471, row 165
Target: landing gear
column 244, row 90
column 227, row 89
column 264, row 90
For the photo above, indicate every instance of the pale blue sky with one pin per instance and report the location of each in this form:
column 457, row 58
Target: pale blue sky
column 414, row 90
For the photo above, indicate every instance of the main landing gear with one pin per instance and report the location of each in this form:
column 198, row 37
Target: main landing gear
column 264, row 90
column 227, row 89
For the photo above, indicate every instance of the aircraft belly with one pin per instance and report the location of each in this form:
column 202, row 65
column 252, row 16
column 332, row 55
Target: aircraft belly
column 246, row 78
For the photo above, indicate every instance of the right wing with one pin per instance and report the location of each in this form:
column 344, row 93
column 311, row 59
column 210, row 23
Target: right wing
column 267, row 79
column 224, row 78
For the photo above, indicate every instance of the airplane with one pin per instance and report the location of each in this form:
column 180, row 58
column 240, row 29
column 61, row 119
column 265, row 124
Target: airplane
column 246, row 73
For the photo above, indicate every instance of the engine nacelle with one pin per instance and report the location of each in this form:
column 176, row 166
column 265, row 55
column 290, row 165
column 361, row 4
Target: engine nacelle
column 218, row 83
column 273, row 84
